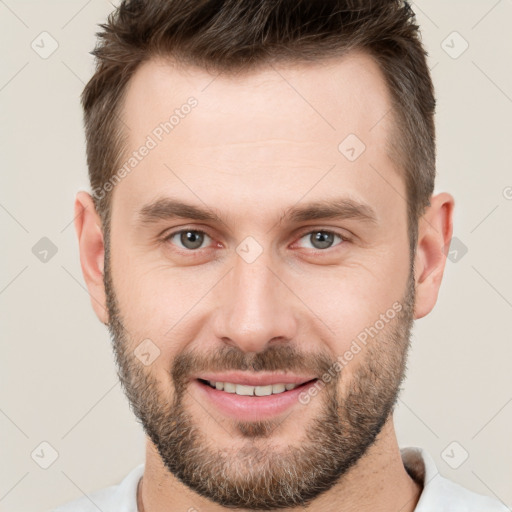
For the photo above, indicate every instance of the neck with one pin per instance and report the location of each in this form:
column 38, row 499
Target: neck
column 378, row 481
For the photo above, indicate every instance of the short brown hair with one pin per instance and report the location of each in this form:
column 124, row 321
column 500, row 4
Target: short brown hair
column 240, row 35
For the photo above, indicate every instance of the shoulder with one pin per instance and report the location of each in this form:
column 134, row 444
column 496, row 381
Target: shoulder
column 122, row 496
column 441, row 494
column 453, row 496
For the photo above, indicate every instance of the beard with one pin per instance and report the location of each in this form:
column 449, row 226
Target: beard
column 258, row 475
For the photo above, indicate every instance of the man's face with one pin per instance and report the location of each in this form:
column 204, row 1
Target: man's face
column 257, row 296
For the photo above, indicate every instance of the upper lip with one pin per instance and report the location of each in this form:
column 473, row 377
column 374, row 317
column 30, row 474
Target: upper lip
column 256, row 379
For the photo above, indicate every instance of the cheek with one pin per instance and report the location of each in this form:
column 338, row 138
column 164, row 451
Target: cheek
column 159, row 303
column 346, row 301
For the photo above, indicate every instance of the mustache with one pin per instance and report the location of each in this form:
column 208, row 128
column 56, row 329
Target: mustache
column 285, row 358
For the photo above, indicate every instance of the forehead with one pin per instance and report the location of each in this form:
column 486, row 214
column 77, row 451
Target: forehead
column 332, row 97
column 278, row 128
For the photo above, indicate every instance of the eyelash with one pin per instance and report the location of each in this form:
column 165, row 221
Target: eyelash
column 168, row 238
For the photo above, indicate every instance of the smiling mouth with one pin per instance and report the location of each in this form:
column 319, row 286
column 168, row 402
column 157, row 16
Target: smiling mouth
column 255, row 391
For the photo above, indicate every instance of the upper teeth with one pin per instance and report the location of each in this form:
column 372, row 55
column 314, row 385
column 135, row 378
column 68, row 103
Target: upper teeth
column 242, row 389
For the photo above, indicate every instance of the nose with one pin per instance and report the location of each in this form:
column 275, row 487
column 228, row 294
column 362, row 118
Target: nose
column 255, row 307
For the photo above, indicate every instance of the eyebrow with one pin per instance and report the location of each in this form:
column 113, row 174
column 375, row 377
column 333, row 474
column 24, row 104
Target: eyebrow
column 335, row 209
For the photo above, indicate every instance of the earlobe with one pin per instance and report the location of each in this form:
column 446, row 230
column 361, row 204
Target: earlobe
column 434, row 235
column 92, row 252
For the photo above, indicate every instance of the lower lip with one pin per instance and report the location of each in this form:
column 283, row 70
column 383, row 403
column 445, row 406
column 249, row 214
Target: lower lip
column 252, row 408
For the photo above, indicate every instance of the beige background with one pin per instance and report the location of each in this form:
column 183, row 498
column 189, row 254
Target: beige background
column 58, row 381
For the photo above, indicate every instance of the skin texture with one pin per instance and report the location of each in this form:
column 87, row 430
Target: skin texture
column 251, row 148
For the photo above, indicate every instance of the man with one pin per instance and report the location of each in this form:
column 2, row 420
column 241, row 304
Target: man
column 261, row 235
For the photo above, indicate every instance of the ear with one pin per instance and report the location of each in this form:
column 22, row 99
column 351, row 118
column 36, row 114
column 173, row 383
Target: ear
column 92, row 252
column 434, row 235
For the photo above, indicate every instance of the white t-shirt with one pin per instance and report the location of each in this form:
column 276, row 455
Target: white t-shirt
column 439, row 494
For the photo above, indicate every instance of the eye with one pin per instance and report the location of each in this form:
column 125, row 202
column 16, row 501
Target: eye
column 322, row 239
column 191, row 239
